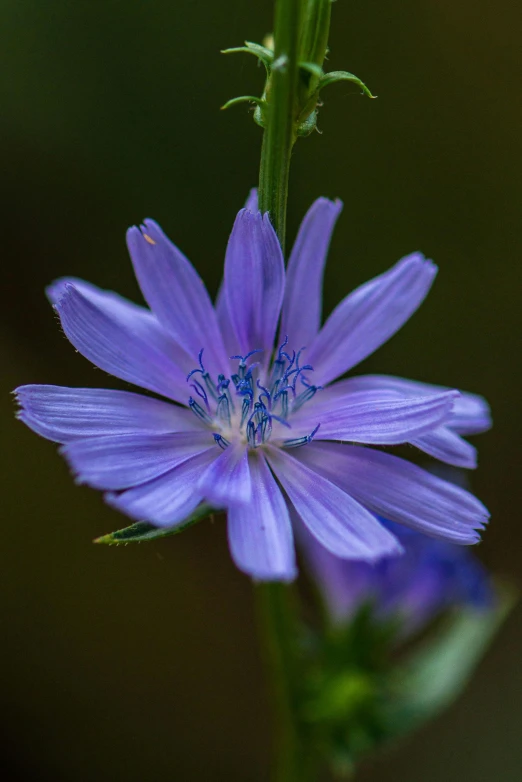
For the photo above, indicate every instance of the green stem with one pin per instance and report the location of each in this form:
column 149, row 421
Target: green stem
column 281, row 115
column 277, row 621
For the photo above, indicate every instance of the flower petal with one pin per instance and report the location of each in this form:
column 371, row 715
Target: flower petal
column 176, row 294
column 471, row 413
column 369, row 316
column 254, row 281
column 139, row 320
column 126, row 460
column 338, row 521
column 301, row 315
column 252, row 202
column 114, row 346
column 168, row 499
column 399, row 491
column 444, row 444
column 64, row 414
column 227, row 480
column 383, row 421
column 259, row 532
column 225, row 323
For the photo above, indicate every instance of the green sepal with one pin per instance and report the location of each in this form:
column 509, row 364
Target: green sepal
column 143, row 530
column 261, row 52
column 334, row 76
column 435, row 674
column 242, row 99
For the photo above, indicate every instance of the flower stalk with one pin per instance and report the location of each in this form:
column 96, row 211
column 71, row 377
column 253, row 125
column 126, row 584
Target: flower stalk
column 281, row 115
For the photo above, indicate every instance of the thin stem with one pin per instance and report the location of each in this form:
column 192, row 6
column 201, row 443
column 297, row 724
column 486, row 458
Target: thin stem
column 277, row 621
column 281, row 115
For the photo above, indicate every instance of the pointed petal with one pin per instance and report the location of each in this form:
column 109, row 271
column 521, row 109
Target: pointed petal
column 397, row 490
column 168, row 499
column 176, row 294
column 471, row 413
column 369, row 316
column 301, row 315
column 254, row 281
column 139, row 320
column 64, row 414
column 111, row 344
column 338, row 521
column 252, row 203
column 227, row 480
column 382, row 422
column 126, row 460
column 444, row 444
column 259, row 532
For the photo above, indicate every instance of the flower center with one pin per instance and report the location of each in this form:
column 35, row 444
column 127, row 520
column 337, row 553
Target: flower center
column 254, row 403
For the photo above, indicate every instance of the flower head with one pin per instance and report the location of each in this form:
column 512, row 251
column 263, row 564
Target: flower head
column 254, row 422
column 430, row 577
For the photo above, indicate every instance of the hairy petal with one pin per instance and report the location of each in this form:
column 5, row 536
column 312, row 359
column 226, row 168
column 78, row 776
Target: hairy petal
column 125, row 460
column 369, row 316
column 176, row 294
column 65, row 414
column 338, row 521
column 131, row 354
column 168, row 499
column 254, row 281
column 301, row 315
column 227, row 480
column 399, row 491
column 259, row 532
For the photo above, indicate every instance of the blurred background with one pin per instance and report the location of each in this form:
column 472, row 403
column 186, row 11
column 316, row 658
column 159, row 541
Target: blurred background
column 141, row 663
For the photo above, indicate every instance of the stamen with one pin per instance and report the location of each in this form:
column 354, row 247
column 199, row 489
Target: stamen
column 200, row 391
column 198, row 410
column 223, row 409
column 221, row 441
column 298, row 441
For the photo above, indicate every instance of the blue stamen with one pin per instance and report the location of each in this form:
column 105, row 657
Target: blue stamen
column 223, row 409
column 200, row 391
column 198, row 410
column 304, row 396
column 245, row 411
column 298, row 441
column 221, row 441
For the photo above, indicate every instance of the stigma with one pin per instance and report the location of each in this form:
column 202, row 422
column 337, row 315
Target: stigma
column 253, row 403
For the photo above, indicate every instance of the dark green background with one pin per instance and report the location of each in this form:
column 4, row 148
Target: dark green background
column 141, row 663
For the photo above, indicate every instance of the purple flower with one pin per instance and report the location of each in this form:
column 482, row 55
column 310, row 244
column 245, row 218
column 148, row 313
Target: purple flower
column 430, row 577
column 237, row 430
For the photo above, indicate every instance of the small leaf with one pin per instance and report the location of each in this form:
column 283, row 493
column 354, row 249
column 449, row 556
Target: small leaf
column 312, row 68
column 143, row 530
column 261, row 52
column 334, row 76
column 438, row 672
column 242, row 99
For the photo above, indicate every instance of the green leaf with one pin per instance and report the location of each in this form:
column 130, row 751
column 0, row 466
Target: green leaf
column 242, row 99
column 334, row 76
column 261, row 52
column 312, row 68
column 143, row 530
column 438, row 672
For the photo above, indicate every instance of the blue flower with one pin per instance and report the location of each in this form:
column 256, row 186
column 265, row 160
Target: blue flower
column 430, row 577
column 254, row 422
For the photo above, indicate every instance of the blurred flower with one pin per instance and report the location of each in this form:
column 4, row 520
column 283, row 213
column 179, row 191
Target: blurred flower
column 245, row 415
column 430, row 577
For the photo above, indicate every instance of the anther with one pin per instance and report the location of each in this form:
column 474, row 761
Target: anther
column 198, row 410
column 298, row 441
column 221, row 441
